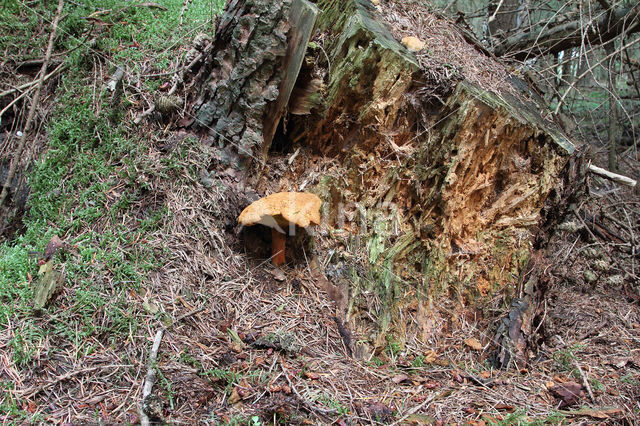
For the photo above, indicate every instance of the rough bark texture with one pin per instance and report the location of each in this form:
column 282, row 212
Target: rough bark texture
column 244, row 72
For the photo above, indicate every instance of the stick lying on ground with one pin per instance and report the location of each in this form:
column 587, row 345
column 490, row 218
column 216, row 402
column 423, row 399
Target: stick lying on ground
column 150, row 378
column 34, row 103
column 613, row 176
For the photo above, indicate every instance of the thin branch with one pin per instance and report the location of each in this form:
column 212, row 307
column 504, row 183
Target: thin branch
column 34, row 104
column 30, row 84
column 606, row 58
column 150, row 378
column 612, row 176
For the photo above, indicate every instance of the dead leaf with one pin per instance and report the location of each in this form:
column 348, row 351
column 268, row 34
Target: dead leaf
column 234, row 398
column 419, row 419
column 505, row 407
column 311, row 375
column 52, row 247
column 568, row 392
column 485, row 374
column 379, row 411
column 473, row 343
column 596, row 414
column 620, row 362
column 278, row 274
column 150, row 307
column 430, row 356
column 400, row 378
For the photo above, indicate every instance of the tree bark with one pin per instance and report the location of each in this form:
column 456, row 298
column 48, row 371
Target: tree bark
column 610, row 50
column 565, row 36
column 250, row 71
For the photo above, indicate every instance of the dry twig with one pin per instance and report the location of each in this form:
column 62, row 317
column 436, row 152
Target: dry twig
column 32, row 110
column 150, row 378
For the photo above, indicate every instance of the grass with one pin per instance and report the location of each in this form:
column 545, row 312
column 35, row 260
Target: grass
column 92, row 185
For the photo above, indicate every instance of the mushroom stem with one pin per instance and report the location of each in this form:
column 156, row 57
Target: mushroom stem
column 278, row 242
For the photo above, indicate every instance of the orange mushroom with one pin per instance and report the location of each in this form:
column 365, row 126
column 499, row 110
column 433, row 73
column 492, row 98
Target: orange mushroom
column 281, row 212
column 414, row 44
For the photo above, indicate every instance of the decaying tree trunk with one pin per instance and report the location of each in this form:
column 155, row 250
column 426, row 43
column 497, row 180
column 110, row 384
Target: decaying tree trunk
column 256, row 55
column 442, row 181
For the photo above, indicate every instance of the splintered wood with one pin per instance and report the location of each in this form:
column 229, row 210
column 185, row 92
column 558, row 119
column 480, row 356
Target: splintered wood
column 441, row 181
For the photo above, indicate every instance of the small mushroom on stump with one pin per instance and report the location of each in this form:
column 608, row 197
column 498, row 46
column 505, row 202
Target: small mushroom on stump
column 281, row 212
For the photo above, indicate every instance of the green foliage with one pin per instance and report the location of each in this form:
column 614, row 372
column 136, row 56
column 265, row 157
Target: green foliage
column 630, row 379
column 521, row 417
column 377, row 361
column 418, row 361
column 393, row 347
column 333, row 403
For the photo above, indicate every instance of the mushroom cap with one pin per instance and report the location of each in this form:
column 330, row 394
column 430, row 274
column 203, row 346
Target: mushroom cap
column 412, row 43
column 283, row 208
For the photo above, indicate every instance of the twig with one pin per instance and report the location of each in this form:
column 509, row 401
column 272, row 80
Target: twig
column 418, row 407
column 590, row 70
column 188, row 314
column 30, row 84
column 15, row 100
column 584, row 380
column 34, row 103
column 613, row 176
column 150, row 378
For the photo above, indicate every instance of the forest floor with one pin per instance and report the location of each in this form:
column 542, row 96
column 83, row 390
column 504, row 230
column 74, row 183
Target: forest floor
column 147, row 215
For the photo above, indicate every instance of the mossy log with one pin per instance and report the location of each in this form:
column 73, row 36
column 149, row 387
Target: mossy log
column 443, row 182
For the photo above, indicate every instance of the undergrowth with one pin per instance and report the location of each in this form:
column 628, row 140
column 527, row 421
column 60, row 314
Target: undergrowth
column 96, row 186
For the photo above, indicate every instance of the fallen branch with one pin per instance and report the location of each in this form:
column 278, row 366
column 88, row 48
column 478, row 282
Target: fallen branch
column 30, row 84
column 613, row 176
column 150, row 378
column 34, row 103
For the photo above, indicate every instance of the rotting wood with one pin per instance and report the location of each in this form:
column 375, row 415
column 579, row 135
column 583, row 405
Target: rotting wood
column 302, row 19
column 471, row 191
column 48, row 284
column 467, row 196
column 446, row 180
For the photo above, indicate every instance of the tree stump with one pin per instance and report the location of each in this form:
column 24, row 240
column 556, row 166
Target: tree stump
column 442, row 182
